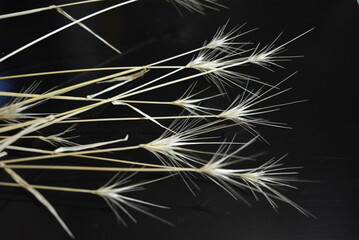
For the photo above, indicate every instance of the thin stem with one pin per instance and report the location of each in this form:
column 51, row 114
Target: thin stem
column 53, row 188
column 102, row 169
column 24, row 184
column 74, row 155
column 118, row 97
column 36, row 10
column 151, row 66
column 63, row 28
column 72, row 98
column 61, row 11
column 125, row 95
column 58, row 155
column 61, row 91
column 138, row 118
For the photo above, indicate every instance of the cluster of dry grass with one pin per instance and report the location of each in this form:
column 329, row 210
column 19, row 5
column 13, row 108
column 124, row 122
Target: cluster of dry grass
column 181, row 148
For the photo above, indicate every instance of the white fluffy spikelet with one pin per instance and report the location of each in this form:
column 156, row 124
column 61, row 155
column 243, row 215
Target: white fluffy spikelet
column 14, row 110
column 172, row 147
column 197, row 5
column 225, row 41
column 245, row 110
column 217, row 65
column 191, row 104
column 59, row 139
column 263, row 179
column 114, row 194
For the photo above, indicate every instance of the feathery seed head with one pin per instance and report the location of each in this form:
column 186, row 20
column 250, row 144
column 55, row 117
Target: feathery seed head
column 263, row 179
column 239, row 111
column 164, row 146
column 57, row 139
column 114, row 194
column 189, row 103
column 225, row 41
column 172, row 145
column 243, row 110
column 217, row 66
column 13, row 110
column 268, row 55
column 198, row 5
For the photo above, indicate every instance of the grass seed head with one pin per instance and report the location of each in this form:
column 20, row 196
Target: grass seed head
column 114, row 194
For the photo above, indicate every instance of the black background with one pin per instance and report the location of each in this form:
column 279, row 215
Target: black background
column 323, row 139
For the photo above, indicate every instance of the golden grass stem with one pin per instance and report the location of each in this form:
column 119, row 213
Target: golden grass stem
column 65, row 27
column 53, row 188
column 24, row 184
column 77, row 154
column 74, row 155
column 137, row 118
column 36, row 10
column 101, row 169
column 64, row 13
column 87, row 70
column 63, row 115
column 73, row 98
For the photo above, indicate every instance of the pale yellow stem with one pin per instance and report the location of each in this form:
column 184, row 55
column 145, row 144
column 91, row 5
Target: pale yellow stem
column 53, row 188
column 87, row 70
column 58, row 155
column 36, row 10
column 74, row 155
column 101, row 169
column 138, row 118
column 72, row 98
